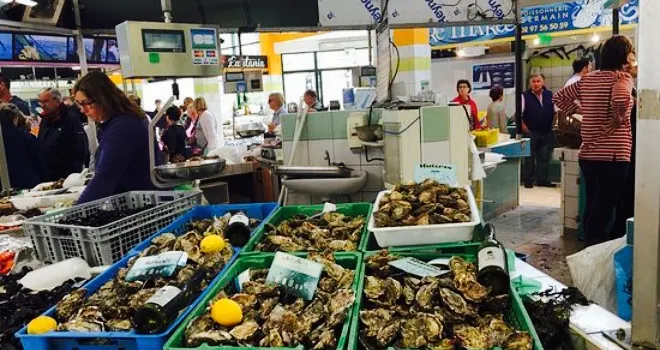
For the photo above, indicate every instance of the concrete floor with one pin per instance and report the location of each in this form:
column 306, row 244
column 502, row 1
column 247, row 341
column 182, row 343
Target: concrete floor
column 535, row 229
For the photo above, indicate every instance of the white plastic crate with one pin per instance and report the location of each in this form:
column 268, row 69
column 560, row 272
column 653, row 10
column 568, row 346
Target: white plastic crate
column 107, row 244
column 426, row 234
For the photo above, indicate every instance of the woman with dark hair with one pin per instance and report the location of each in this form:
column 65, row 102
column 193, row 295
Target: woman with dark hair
column 464, row 88
column 122, row 157
column 605, row 98
column 496, row 113
column 174, row 137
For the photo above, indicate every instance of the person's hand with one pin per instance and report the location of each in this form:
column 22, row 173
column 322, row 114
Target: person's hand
column 271, row 127
column 525, row 129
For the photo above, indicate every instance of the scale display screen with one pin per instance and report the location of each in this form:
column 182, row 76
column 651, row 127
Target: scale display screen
column 234, row 76
column 163, row 40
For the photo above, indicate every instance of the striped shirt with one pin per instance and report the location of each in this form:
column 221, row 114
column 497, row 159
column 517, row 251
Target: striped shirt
column 606, row 102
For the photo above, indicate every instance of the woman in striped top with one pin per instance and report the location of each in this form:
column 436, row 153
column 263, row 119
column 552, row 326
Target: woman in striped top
column 606, row 101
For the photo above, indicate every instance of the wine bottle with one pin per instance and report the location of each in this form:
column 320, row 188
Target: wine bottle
column 164, row 306
column 492, row 270
column 238, row 229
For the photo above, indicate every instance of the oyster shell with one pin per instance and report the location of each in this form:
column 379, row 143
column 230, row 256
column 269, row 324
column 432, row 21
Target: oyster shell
column 456, row 302
column 70, row 304
column 245, row 330
column 519, row 341
column 471, row 337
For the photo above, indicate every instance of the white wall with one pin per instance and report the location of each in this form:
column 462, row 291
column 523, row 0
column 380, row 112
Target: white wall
column 445, row 72
column 162, row 90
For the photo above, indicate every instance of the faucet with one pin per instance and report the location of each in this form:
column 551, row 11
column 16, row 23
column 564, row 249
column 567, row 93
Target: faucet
column 327, row 157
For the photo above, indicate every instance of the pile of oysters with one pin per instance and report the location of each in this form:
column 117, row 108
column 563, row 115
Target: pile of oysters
column 331, row 231
column 112, row 307
column 273, row 318
column 450, row 311
column 426, row 203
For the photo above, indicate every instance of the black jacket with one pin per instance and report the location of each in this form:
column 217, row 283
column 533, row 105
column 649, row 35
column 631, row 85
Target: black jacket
column 24, row 157
column 65, row 144
column 174, row 138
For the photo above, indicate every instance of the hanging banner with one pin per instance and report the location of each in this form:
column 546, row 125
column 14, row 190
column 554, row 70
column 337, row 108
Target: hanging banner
column 484, row 76
column 565, row 16
column 334, row 13
column 425, row 11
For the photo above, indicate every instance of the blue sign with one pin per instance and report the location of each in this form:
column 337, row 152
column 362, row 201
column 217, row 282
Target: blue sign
column 484, row 76
column 564, row 16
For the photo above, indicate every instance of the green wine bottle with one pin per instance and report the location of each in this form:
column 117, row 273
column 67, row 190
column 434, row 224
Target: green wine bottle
column 164, row 306
column 492, row 270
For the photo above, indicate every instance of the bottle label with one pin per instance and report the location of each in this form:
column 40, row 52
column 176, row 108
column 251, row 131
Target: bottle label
column 161, row 265
column 492, row 256
column 240, row 217
column 164, row 295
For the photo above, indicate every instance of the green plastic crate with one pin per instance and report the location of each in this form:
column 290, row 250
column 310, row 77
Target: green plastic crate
column 369, row 244
column 284, row 213
column 517, row 315
column 348, row 260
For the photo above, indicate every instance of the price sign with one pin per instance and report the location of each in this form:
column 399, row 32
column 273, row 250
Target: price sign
column 417, row 267
column 444, row 174
column 296, row 275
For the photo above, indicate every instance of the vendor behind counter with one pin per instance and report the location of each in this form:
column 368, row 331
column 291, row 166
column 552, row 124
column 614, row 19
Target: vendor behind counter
column 122, row 158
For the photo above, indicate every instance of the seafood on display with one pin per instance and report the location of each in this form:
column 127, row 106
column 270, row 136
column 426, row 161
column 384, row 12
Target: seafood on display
column 331, row 231
column 426, row 203
column 273, row 318
column 453, row 310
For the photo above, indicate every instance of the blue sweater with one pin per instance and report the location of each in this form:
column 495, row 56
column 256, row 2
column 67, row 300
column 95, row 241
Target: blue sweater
column 122, row 159
column 24, row 157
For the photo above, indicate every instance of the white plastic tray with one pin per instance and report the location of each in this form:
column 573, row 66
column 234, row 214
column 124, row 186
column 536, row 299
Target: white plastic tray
column 28, row 202
column 427, row 234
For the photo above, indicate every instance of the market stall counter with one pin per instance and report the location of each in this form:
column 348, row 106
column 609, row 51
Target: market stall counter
column 499, row 192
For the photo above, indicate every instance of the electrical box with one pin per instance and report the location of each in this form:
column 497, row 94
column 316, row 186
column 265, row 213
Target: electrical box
column 355, row 120
column 155, row 49
column 243, row 81
column 364, row 76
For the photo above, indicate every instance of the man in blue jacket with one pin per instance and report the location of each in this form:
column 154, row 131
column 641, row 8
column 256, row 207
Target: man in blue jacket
column 538, row 118
column 62, row 136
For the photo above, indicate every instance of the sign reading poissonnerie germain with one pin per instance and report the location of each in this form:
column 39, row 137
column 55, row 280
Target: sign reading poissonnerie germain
column 563, row 16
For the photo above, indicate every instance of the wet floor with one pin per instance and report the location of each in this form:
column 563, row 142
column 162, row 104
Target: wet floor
column 535, row 229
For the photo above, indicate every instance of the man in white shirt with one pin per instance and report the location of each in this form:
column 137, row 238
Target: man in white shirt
column 580, row 69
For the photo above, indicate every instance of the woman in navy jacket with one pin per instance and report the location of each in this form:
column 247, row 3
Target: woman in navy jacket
column 122, row 158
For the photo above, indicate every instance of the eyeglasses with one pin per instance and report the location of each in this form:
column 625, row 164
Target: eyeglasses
column 463, row 87
column 86, row 103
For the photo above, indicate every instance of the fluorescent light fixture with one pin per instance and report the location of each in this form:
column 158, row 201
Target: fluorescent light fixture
column 595, row 38
column 75, row 68
column 537, row 41
column 460, row 53
column 28, row 3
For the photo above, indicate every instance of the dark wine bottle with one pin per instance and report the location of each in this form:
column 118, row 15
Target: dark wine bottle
column 492, row 269
column 238, row 229
column 164, row 306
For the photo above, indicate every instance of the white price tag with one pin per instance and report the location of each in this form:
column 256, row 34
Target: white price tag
column 417, row 267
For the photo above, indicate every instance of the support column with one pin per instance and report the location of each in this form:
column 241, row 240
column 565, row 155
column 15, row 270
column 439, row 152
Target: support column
column 646, row 291
column 414, row 59
column 273, row 80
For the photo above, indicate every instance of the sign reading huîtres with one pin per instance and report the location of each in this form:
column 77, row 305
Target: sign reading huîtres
column 245, row 62
column 562, row 16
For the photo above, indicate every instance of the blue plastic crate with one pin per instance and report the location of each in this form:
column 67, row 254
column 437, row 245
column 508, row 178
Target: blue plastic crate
column 131, row 340
column 261, row 211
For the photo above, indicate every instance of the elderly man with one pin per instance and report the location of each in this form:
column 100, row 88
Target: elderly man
column 62, row 136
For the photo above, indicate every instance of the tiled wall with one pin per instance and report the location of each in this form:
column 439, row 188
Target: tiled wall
column 556, row 70
column 327, row 131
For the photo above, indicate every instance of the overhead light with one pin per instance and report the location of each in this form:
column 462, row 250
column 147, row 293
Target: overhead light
column 595, row 38
column 460, row 53
column 75, row 68
column 28, row 3
column 537, row 41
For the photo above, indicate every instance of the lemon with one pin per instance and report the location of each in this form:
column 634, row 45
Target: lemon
column 41, row 324
column 226, row 312
column 212, row 244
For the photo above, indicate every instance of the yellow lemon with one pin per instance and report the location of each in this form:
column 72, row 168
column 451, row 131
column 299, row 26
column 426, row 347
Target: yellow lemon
column 226, row 312
column 41, row 324
column 212, row 244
